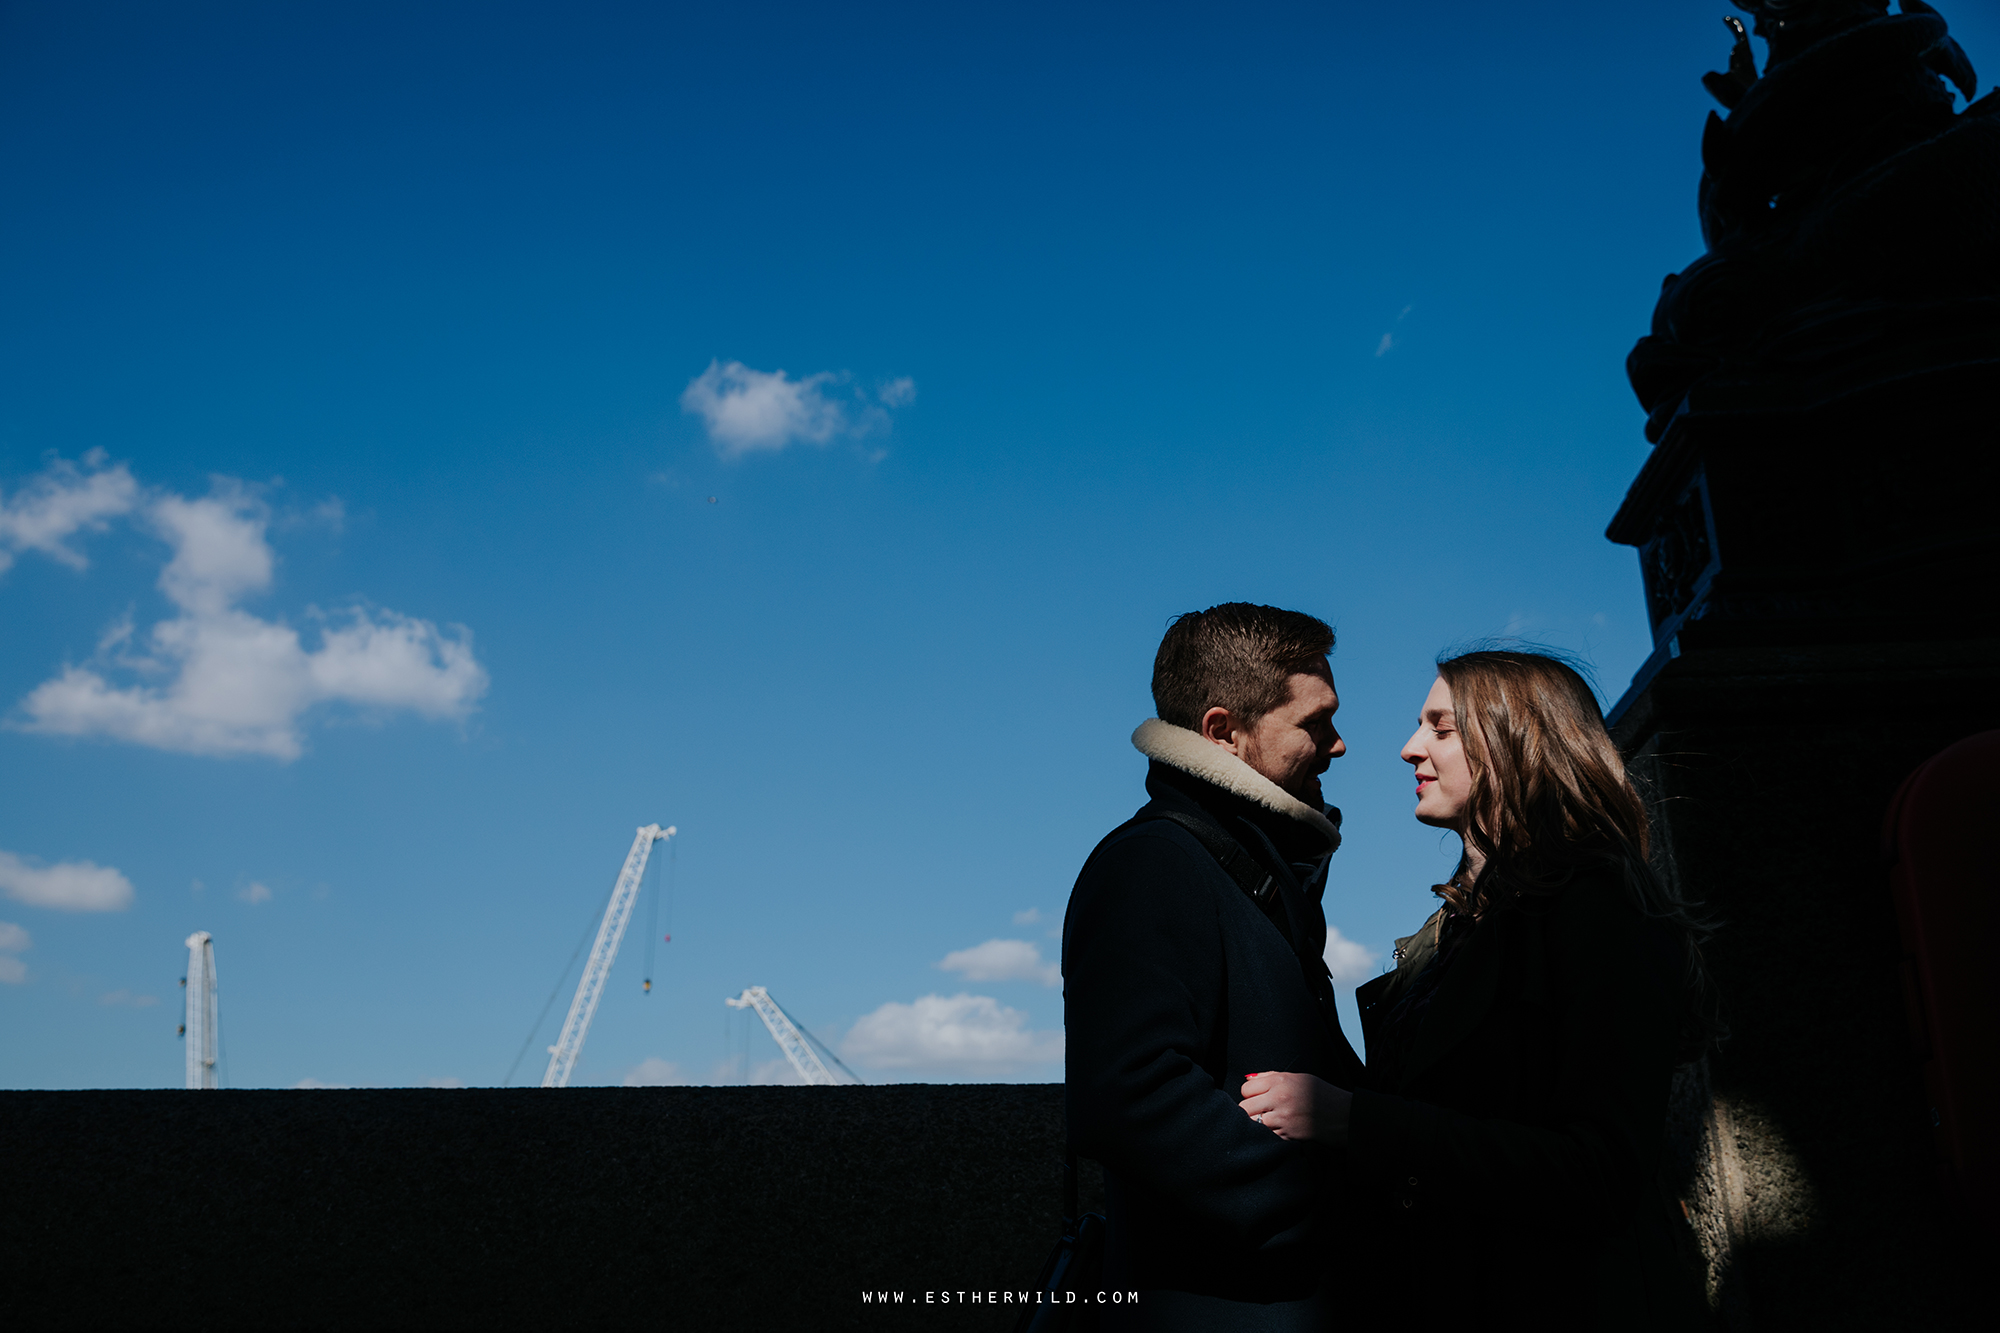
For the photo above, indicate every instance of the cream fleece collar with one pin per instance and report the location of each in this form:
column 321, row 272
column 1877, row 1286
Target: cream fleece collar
column 1177, row 747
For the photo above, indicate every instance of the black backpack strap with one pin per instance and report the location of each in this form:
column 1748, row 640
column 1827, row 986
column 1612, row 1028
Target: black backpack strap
column 1257, row 883
column 1251, row 877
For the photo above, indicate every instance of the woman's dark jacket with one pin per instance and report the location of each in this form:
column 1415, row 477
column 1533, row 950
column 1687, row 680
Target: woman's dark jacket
column 1512, row 1132
column 1176, row 986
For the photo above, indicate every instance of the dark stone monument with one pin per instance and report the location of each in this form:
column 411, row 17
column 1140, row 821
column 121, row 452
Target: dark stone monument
column 1819, row 534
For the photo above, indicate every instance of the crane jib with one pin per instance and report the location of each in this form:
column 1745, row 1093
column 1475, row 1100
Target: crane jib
column 799, row 1046
column 590, row 988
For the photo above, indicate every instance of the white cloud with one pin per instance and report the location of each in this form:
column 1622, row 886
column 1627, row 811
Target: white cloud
column 234, row 684
column 61, row 502
column 751, row 411
column 1388, row 341
column 13, row 972
column 124, row 999
column 310, row 1084
column 962, row 1034
column 219, row 548
column 1028, row 917
column 443, row 1083
column 774, row 1072
column 1347, row 961
column 1003, row 960
column 67, row 886
column 255, row 894
column 653, row 1072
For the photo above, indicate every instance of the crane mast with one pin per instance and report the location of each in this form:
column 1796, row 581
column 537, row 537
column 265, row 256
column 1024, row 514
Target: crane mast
column 790, row 1039
column 590, row 987
column 200, row 1028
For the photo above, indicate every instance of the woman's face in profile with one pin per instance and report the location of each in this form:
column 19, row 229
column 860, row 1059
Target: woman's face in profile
column 1444, row 779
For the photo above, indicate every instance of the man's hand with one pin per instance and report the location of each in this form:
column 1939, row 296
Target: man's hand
column 1297, row 1106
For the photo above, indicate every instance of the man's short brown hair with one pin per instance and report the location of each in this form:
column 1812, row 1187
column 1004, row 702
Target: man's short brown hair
column 1238, row 656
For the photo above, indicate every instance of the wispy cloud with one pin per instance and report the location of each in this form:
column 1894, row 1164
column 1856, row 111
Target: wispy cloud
column 1348, row 962
column 256, row 893
column 329, row 513
column 749, row 411
column 313, row 1084
column 217, row 680
column 59, row 503
column 1389, row 342
column 67, row 886
column 1002, row 960
column 1028, row 917
column 951, row 1035
column 13, row 940
column 124, row 999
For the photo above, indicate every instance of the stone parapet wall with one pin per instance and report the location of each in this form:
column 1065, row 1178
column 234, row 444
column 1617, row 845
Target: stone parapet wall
column 512, row 1208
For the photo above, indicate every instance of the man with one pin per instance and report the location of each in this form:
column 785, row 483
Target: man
column 1191, row 960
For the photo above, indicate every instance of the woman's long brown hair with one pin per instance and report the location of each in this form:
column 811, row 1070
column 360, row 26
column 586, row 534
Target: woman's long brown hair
column 1551, row 799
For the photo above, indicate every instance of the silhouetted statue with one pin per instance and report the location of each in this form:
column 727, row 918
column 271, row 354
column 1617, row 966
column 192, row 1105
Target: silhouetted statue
column 1728, row 87
column 1852, row 220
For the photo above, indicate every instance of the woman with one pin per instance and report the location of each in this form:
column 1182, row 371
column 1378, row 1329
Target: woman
column 1521, row 1054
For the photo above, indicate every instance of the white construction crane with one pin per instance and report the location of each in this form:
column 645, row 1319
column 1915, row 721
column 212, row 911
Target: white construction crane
column 590, row 988
column 200, row 1028
column 792, row 1040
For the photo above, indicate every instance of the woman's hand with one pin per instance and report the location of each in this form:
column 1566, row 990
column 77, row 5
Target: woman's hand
column 1297, row 1106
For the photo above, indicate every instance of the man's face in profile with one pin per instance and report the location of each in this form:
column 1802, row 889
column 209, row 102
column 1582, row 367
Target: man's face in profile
column 1294, row 742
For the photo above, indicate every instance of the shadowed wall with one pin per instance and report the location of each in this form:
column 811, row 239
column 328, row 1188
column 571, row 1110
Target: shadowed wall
column 755, row 1207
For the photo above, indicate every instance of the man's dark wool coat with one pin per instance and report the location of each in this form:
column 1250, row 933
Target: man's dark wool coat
column 1176, row 987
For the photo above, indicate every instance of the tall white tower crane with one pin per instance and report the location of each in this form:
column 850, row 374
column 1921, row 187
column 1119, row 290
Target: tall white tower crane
column 791, row 1039
column 590, row 988
column 200, row 1028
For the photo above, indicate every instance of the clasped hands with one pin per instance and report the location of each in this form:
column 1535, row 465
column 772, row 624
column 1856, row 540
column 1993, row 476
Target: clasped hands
column 1297, row 1106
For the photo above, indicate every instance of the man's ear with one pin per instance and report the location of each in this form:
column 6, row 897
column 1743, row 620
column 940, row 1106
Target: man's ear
column 1219, row 726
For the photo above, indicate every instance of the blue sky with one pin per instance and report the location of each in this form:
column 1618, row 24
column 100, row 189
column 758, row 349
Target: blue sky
column 402, row 503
